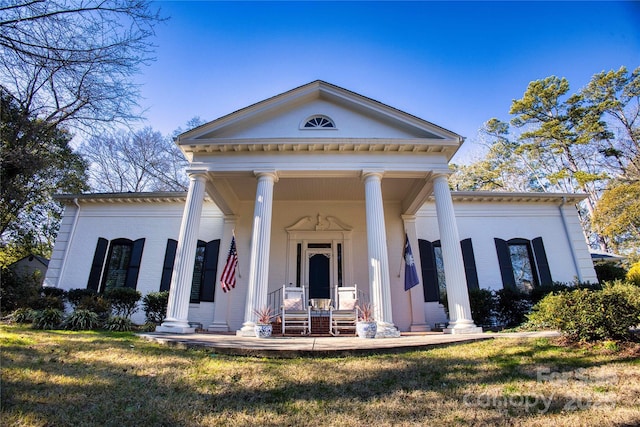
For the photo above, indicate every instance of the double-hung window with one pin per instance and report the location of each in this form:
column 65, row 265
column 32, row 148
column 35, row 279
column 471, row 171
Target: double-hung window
column 432, row 264
column 523, row 264
column 205, row 268
column 116, row 264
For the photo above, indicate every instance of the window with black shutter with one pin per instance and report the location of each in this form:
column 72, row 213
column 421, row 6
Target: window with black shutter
column 432, row 263
column 205, row 269
column 523, row 263
column 115, row 264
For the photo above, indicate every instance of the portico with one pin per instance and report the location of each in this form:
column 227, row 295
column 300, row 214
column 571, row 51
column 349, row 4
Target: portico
column 319, row 170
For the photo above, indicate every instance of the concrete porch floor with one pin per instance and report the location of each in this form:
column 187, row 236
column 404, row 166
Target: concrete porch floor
column 311, row 346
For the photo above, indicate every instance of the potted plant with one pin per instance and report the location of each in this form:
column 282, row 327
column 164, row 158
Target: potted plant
column 366, row 326
column 263, row 327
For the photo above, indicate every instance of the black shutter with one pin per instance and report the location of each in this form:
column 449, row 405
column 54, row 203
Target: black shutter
column 134, row 264
column 429, row 271
column 167, row 265
column 96, row 265
column 541, row 261
column 469, row 264
column 504, row 259
column 210, row 269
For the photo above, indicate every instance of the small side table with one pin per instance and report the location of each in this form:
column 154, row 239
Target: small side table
column 320, row 321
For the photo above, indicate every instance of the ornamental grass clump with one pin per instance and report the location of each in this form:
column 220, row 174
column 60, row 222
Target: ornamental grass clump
column 49, row 318
column 22, row 315
column 82, row 320
column 118, row 324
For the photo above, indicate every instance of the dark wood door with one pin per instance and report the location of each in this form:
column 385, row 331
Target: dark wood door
column 319, row 276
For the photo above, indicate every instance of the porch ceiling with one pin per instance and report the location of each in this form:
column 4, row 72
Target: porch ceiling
column 243, row 188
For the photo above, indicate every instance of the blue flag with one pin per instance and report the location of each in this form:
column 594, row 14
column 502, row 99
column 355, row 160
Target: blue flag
column 410, row 273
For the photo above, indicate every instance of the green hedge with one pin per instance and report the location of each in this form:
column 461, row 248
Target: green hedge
column 590, row 315
column 124, row 301
column 155, row 306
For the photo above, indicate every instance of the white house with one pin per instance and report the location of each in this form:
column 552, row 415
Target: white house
column 319, row 186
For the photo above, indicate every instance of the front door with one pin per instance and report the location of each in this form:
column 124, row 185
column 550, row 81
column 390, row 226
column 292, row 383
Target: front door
column 319, row 275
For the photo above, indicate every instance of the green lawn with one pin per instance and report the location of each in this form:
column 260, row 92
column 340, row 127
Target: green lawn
column 59, row 378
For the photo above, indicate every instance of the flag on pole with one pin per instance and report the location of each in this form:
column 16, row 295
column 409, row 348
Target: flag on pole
column 410, row 272
column 228, row 277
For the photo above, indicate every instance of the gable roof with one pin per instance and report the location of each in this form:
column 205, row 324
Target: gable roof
column 217, row 131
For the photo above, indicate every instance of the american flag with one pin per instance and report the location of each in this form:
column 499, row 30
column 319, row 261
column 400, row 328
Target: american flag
column 228, row 278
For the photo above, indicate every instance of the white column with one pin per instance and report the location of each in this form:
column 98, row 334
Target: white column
column 416, row 294
column 457, row 294
column 180, row 292
column 258, row 285
column 379, row 279
column 223, row 299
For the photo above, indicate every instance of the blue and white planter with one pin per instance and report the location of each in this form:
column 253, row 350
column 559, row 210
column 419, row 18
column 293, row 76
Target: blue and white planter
column 366, row 329
column 263, row 331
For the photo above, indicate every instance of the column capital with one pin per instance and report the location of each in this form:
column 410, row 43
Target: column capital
column 372, row 173
column 197, row 174
column 408, row 218
column 270, row 174
column 230, row 219
column 440, row 174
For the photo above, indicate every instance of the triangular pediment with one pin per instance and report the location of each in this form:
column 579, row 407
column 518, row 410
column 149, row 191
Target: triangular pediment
column 284, row 118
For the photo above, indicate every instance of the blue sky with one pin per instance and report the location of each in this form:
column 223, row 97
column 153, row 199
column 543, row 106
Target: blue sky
column 456, row 64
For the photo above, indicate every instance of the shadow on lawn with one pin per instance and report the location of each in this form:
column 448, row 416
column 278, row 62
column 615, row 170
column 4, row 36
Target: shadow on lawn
column 196, row 387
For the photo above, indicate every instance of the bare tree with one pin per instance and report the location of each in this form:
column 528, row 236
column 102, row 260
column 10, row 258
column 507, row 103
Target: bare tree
column 134, row 161
column 72, row 61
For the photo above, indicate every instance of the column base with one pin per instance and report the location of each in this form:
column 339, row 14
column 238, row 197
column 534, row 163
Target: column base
column 462, row 327
column 175, row 326
column 387, row 330
column 247, row 330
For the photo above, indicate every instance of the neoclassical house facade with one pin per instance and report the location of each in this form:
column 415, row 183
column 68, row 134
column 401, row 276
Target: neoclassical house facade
column 319, row 186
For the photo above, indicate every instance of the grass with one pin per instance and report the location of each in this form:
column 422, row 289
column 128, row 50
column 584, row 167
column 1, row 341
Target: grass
column 61, row 378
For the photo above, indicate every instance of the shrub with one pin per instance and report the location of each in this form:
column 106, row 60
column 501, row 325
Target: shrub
column 118, row 324
column 96, row 304
column 76, row 296
column 49, row 291
column 82, row 320
column 47, row 297
column 633, row 275
column 124, row 301
column 482, row 306
column 155, row 306
column 49, row 318
column 16, row 290
column 539, row 292
column 630, row 292
column 22, row 315
column 512, row 307
column 588, row 315
column 42, row 302
column 607, row 272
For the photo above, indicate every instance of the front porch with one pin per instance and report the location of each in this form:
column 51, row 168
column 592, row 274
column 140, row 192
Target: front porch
column 292, row 347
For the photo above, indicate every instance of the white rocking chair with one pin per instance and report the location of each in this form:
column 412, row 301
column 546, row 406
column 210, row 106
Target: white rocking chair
column 345, row 313
column 295, row 311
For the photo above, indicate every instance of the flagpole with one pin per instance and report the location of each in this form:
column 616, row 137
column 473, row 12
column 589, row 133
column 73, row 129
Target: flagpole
column 402, row 257
column 233, row 233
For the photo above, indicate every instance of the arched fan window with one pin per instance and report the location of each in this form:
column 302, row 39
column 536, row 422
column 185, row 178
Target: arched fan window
column 319, row 122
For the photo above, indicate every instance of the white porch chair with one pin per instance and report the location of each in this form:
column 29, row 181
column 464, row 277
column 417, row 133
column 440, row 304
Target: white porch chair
column 295, row 311
column 345, row 313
